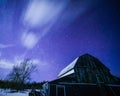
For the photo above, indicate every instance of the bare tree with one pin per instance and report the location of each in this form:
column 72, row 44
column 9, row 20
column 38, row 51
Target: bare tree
column 21, row 73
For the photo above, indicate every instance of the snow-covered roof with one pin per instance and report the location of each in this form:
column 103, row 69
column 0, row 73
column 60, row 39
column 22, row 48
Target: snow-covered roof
column 66, row 70
column 68, row 73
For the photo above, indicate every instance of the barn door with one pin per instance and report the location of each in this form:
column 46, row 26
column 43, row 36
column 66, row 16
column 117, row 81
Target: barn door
column 60, row 90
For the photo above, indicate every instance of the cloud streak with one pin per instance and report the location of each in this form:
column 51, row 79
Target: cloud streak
column 6, row 45
column 19, row 59
column 29, row 40
column 41, row 12
column 6, row 64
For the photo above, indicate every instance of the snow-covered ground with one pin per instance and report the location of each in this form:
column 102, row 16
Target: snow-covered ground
column 9, row 93
column 14, row 94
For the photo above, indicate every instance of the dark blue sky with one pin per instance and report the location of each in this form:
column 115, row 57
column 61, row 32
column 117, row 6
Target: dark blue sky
column 53, row 33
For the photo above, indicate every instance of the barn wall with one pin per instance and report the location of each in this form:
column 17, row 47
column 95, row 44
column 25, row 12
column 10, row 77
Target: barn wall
column 85, row 90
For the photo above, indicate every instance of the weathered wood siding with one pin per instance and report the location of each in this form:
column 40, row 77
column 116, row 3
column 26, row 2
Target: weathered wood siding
column 88, row 69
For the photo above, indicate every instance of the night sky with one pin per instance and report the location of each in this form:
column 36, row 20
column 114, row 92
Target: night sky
column 54, row 32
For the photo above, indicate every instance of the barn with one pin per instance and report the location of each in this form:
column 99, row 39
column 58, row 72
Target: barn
column 84, row 76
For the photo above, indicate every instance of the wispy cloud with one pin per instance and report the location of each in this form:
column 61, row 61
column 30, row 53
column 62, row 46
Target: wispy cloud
column 39, row 62
column 40, row 12
column 6, row 64
column 45, row 13
column 35, row 61
column 6, row 45
column 29, row 40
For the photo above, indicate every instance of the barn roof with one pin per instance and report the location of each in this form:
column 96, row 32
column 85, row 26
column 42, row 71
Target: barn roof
column 68, row 70
column 81, row 61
